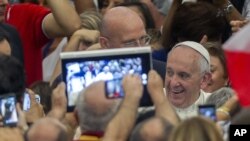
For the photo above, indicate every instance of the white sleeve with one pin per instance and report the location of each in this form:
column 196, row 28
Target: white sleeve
column 246, row 10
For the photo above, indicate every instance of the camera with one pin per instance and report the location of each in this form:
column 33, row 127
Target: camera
column 27, row 101
column 8, row 109
column 208, row 111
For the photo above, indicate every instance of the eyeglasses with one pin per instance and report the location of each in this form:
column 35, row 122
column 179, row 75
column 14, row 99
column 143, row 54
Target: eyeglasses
column 142, row 41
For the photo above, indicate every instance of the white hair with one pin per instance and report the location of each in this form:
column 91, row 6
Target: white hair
column 90, row 120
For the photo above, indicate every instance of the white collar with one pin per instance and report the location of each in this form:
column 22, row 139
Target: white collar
column 192, row 110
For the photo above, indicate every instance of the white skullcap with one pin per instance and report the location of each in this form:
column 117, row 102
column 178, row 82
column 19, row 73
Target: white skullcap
column 183, row 1
column 197, row 47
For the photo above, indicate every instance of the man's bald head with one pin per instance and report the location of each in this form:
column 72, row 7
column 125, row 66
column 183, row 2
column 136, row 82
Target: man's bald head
column 47, row 129
column 94, row 98
column 143, row 131
column 120, row 25
column 118, row 18
column 94, row 109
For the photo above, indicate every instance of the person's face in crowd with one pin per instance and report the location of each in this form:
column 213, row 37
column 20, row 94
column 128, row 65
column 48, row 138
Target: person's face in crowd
column 5, row 47
column 183, row 77
column 134, row 38
column 218, row 79
column 107, row 4
column 124, row 34
column 3, row 4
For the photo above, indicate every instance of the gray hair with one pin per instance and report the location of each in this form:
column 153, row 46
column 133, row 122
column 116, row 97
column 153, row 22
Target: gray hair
column 204, row 65
column 89, row 119
column 48, row 122
column 220, row 96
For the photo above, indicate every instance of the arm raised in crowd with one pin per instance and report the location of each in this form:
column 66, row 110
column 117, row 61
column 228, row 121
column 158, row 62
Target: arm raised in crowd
column 238, row 24
column 228, row 109
column 63, row 21
column 59, row 102
column 36, row 109
column 83, row 5
column 162, row 106
column 123, row 122
column 81, row 35
column 229, row 10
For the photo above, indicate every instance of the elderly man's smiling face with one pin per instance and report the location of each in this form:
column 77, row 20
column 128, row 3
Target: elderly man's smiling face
column 183, row 76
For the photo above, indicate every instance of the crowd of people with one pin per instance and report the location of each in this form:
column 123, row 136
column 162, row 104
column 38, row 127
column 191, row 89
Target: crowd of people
column 189, row 70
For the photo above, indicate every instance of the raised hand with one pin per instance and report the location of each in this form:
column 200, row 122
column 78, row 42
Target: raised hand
column 132, row 86
column 36, row 110
column 59, row 102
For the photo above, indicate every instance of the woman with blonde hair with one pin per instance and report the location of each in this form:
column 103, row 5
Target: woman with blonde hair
column 196, row 129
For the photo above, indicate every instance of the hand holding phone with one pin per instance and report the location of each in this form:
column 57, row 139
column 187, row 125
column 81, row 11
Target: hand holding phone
column 36, row 110
column 208, row 111
column 27, row 101
column 8, row 109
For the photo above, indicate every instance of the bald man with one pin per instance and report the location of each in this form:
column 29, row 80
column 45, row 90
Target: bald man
column 94, row 111
column 143, row 131
column 47, row 129
column 122, row 27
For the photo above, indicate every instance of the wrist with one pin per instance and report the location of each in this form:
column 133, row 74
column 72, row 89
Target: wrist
column 130, row 103
column 224, row 110
column 24, row 128
column 57, row 113
column 132, row 97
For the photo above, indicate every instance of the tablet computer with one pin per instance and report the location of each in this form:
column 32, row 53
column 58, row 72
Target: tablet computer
column 81, row 68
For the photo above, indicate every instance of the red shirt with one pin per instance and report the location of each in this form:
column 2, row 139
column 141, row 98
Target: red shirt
column 27, row 18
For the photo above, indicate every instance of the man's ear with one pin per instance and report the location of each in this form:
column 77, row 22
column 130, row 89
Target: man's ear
column 205, row 79
column 103, row 42
column 227, row 82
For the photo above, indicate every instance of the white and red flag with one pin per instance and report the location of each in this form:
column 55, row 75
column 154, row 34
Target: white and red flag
column 237, row 51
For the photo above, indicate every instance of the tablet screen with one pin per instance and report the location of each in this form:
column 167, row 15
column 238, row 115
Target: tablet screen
column 82, row 69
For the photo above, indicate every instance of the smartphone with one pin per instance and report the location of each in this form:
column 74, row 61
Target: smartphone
column 208, row 111
column 113, row 89
column 38, row 99
column 8, row 110
column 26, row 102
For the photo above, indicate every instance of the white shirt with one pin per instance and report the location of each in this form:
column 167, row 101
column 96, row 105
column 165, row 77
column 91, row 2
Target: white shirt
column 192, row 110
column 49, row 62
column 246, row 9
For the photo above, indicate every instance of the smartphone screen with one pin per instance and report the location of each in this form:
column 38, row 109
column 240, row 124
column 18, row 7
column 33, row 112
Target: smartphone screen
column 38, row 99
column 8, row 110
column 208, row 111
column 113, row 89
column 26, row 102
